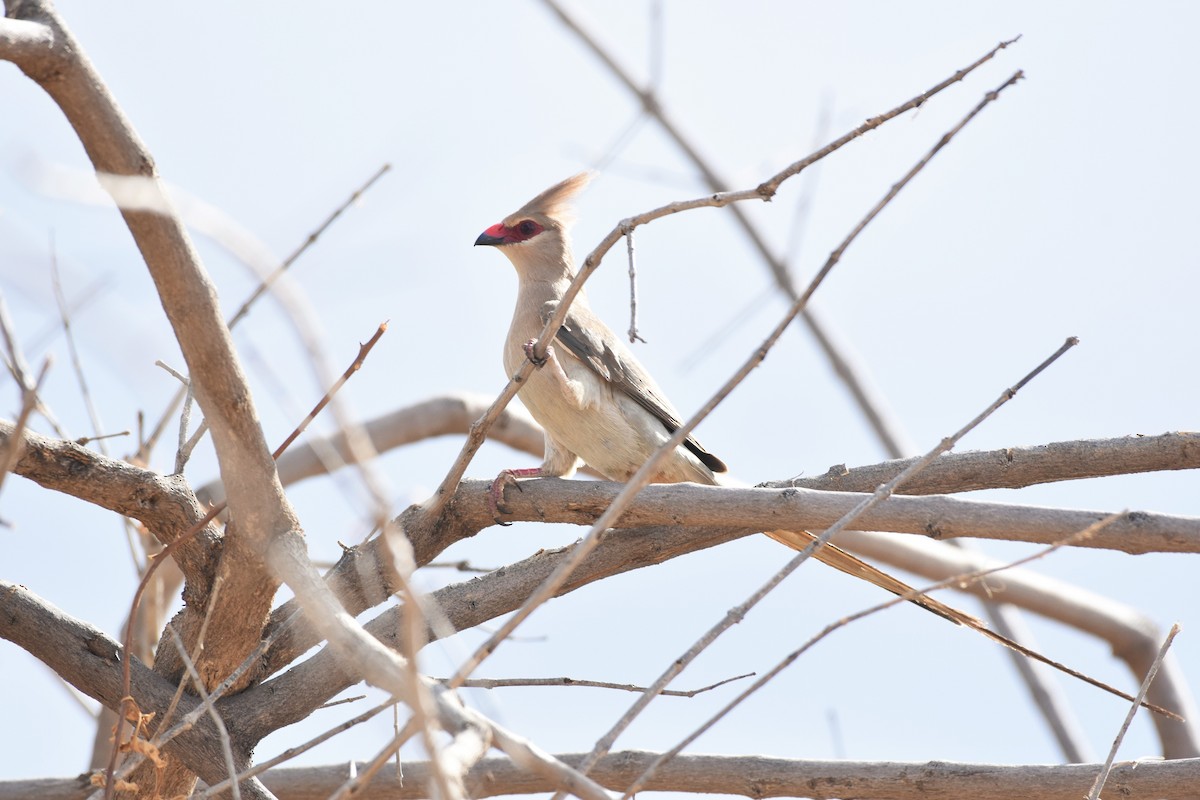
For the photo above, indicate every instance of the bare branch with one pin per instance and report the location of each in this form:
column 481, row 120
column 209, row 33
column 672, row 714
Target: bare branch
column 283, row 267
column 1094, row 794
column 91, row 662
column 936, row 516
column 15, row 441
column 501, row 683
column 1133, row 637
column 717, row 200
column 1018, row 467
column 292, row 695
column 64, row 316
column 843, row 366
column 644, row 474
column 749, row 776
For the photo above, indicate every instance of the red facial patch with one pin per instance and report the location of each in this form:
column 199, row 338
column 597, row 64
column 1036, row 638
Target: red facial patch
column 524, row 230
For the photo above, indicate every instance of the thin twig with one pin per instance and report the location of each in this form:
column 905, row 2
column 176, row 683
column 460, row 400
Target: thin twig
column 556, row 579
column 19, row 369
column 735, row 615
column 16, row 441
column 634, row 336
column 266, row 283
column 360, row 779
column 72, row 350
column 126, row 669
column 1094, row 794
column 184, row 445
column 226, row 744
column 341, row 702
column 958, row 580
column 502, row 683
column 651, row 106
column 292, row 752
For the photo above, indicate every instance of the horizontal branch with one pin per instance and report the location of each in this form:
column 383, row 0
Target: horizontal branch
column 746, row 776
column 935, row 516
column 362, row 580
column 1018, row 467
column 293, row 695
column 757, row 776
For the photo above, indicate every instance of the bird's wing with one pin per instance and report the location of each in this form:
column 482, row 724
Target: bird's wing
column 586, row 340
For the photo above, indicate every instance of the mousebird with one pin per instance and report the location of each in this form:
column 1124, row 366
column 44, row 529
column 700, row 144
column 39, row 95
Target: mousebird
column 595, row 401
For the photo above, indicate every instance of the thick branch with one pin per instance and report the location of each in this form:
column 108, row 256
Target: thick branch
column 746, row 776
column 293, row 695
column 757, row 776
column 89, row 660
column 256, row 500
column 937, row 516
column 361, row 580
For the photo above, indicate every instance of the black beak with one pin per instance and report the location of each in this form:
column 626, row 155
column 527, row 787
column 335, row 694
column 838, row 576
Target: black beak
column 485, row 238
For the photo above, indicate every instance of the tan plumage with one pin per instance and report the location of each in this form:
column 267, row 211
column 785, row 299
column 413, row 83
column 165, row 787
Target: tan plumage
column 594, row 400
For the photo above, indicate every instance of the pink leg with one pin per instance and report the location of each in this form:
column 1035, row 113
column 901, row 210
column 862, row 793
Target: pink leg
column 496, row 495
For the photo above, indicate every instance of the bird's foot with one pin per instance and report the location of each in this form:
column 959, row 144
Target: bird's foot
column 532, row 355
column 496, row 493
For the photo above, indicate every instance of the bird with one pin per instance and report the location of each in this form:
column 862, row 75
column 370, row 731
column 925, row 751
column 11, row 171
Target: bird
column 596, row 403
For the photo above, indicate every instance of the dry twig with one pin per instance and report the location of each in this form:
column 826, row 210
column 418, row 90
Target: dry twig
column 643, row 475
column 1094, row 794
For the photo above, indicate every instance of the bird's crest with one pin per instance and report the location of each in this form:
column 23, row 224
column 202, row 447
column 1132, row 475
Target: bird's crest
column 555, row 202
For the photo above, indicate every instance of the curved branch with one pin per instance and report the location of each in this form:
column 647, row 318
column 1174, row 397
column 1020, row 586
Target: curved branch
column 438, row 416
column 1133, row 637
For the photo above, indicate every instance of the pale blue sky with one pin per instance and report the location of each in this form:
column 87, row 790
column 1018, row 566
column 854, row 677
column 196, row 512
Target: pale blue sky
column 1067, row 208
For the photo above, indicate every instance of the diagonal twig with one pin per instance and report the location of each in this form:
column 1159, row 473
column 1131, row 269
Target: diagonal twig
column 789, row 659
column 643, row 475
column 845, row 369
column 1094, row 794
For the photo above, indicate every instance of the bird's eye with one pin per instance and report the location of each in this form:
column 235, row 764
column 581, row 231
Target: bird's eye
column 527, row 228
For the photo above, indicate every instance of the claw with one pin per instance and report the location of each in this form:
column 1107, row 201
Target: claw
column 496, row 493
column 532, row 356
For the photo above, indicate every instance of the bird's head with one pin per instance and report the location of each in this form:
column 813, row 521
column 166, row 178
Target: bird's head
column 536, row 238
